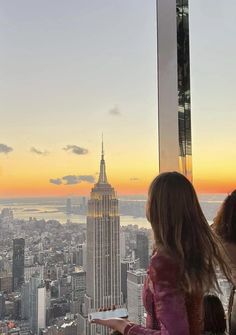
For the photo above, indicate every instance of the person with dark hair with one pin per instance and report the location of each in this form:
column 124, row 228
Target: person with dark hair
column 183, row 265
column 225, row 227
column 214, row 315
column 232, row 312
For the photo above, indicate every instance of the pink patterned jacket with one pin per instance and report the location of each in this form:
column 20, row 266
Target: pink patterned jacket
column 169, row 310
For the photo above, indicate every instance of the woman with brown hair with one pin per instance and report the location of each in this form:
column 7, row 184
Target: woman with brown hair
column 214, row 315
column 225, row 227
column 183, row 265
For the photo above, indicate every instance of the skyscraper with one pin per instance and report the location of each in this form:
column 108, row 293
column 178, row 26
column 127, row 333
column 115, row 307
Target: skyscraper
column 37, row 304
column 25, row 301
column 2, row 306
column 103, row 245
column 78, row 280
column 79, row 255
column 184, row 98
column 127, row 265
column 18, row 263
column 174, row 93
column 41, row 307
column 142, row 250
column 135, row 284
column 68, row 206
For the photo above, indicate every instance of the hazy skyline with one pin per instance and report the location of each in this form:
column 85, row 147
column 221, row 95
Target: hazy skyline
column 71, row 72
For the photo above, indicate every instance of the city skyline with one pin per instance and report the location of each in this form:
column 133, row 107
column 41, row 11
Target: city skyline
column 110, row 82
column 72, row 79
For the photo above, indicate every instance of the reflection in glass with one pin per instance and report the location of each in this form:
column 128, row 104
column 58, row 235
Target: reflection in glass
column 184, row 99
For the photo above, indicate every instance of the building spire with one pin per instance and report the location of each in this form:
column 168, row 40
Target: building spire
column 102, row 148
column 102, row 175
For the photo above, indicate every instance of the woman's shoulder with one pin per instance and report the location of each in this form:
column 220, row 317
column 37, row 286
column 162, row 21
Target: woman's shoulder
column 162, row 258
column 163, row 266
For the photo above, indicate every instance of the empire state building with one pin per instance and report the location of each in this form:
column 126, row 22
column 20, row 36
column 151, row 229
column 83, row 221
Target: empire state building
column 103, row 245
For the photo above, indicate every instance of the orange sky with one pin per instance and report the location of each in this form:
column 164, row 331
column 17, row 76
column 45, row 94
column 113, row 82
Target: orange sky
column 31, row 178
column 56, row 95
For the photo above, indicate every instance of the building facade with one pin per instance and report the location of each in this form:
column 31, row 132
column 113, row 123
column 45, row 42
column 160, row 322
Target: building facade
column 127, row 265
column 135, row 282
column 41, row 307
column 184, row 98
column 25, row 301
column 78, row 282
column 174, row 92
column 37, row 304
column 6, row 282
column 18, row 263
column 142, row 250
column 2, row 306
column 30, row 270
column 103, row 246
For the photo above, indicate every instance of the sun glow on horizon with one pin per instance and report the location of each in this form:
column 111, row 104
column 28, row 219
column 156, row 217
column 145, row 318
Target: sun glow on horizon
column 58, row 98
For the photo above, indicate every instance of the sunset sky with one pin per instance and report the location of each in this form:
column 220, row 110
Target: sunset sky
column 71, row 71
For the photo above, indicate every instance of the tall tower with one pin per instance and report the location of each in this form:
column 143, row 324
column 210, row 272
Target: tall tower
column 103, row 245
column 174, row 91
column 135, row 283
column 142, row 250
column 18, row 263
column 37, row 304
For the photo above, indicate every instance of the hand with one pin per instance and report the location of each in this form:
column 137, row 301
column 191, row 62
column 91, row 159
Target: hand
column 116, row 323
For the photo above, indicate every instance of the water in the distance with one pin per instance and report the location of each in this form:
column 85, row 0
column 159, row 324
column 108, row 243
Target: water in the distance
column 132, row 209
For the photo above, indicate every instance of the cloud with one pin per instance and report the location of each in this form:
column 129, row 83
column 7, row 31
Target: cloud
column 134, row 179
column 72, row 180
column 76, row 150
column 87, row 178
column 114, row 111
column 5, row 149
column 38, row 152
column 56, row 181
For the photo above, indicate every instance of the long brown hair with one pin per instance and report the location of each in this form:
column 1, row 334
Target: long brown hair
column 225, row 221
column 181, row 229
column 214, row 315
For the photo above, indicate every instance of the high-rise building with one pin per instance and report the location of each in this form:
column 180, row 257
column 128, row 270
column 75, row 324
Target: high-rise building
column 83, row 205
column 79, row 255
column 78, row 281
column 174, row 92
column 41, row 307
column 184, row 98
column 6, row 219
column 33, row 295
column 68, row 206
column 2, row 306
column 127, row 265
column 135, row 282
column 122, row 244
column 103, row 246
column 84, row 248
column 142, row 250
column 6, row 282
column 37, row 304
column 30, row 270
column 18, row 263
column 25, row 301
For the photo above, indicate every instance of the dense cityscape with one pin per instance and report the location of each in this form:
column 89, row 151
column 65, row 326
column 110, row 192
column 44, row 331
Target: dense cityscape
column 76, row 247
column 49, row 271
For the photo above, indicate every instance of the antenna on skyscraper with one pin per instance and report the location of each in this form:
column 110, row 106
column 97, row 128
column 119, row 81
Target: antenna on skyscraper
column 102, row 147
